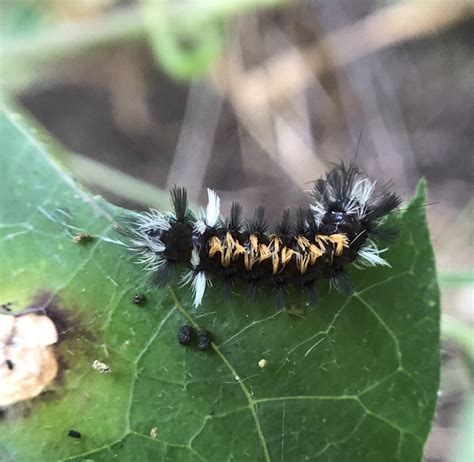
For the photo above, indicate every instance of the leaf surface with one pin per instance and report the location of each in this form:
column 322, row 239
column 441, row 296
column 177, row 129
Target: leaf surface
column 355, row 379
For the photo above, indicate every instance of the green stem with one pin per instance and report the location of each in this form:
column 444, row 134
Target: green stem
column 116, row 182
column 461, row 334
column 456, row 278
column 125, row 24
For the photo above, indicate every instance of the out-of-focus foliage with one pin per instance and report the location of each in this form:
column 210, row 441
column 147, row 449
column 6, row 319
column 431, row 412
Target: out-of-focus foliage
column 186, row 37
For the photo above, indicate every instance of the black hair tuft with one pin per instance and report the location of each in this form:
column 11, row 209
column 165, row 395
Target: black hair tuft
column 162, row 275
column 258, row 224
column 179, row 200
column 283, row 228
column 234, row 223
column 386, row 204
column 341, row 282
column 384, row 231
column 312, row 294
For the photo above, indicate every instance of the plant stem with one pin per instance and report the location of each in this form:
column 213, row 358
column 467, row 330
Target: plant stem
column 461, row 334
column 124, row 24
column 456, row 278
column 116, row 182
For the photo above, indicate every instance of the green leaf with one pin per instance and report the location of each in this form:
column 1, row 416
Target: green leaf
column 355, row 379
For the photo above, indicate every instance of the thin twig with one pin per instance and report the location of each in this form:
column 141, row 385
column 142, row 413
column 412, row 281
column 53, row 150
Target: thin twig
column 116, row 182
column 121, row 25
column 196, row 138
column 290, row 72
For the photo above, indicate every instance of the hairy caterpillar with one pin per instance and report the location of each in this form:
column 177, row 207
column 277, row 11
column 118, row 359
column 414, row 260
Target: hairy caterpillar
column 343, row 223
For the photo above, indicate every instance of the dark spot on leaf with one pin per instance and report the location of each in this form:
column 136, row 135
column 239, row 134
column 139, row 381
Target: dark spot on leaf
column 69, row 327
column 204, row 340
column 186, row 334
column 138, row 299
column 6, row 306
column 74, row 434
column 82, row 238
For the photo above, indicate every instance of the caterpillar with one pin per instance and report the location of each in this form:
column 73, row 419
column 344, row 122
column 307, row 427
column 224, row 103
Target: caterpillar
column 344, row 223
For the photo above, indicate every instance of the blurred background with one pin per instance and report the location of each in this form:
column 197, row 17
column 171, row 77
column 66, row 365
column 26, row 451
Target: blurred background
column 256, row 98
